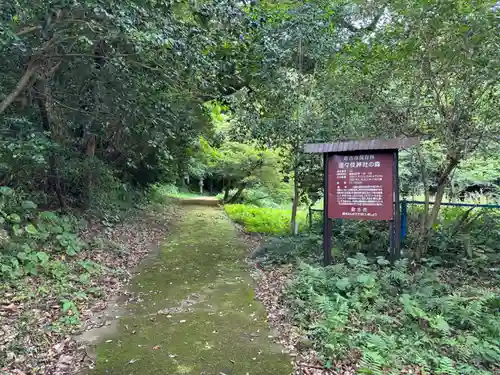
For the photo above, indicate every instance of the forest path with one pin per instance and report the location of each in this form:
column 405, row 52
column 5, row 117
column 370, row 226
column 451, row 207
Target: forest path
column 194, row 311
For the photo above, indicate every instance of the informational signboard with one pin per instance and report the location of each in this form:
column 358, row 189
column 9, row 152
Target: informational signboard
column 360, row 186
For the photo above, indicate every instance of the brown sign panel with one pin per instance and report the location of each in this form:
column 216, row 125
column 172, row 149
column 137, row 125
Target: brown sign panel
column 361, row 186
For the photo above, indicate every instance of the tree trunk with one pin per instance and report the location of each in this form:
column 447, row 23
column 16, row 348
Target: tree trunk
column 295, row 203
column 424, row 179
column 226, row 194
column 443, row 179
column 237, row 195
column 90, row 153
column 53, row 179
column 91, row 105
column 431, row 219
column 200, row 183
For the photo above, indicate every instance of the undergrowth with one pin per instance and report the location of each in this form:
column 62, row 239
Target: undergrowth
column 163, row 193
column 49, row 275
column 459, row 233
column 391, row 318
column 31, row 240
column 264, row 220
column 290, row 249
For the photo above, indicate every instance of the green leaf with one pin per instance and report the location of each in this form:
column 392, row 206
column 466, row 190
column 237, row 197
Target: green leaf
column 43, row 257
column 343, row 283
column 366, row 279
column 71, row 250
column 28, row 205
column 439, row 323
column 31, row 268
column 7, row 191
column 14, row 218
column 31, row 229
column 84, row 278
column 353, row 261
column 48, row 216
column 382, row 261
column 67, row 305
column 22, row 255
column 17, row 229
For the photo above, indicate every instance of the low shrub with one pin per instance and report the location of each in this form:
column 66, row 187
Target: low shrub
column 163, row 193
column 355, row 236
column 289, row 249
column 391, row 318
column 31, row 240
column 264, row 220
column 263, row 196
column 459, row 233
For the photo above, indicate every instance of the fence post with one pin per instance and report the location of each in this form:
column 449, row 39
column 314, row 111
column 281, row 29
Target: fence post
column 404, row 218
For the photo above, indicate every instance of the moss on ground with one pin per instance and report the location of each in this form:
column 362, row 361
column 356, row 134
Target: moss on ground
column 196, row 313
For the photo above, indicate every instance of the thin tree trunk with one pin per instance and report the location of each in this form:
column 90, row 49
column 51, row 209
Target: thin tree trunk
column 54, row 180
column 431, row 218
column 440, row 192
column 20, row 87
column 226, row 194
column 295, row 204
column 90, row 153
column 424, row 179
column 237, row 195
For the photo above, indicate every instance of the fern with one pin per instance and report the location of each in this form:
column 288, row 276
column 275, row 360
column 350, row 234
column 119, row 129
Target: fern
column 395, row 319
column 372, row 363
column 445, row 367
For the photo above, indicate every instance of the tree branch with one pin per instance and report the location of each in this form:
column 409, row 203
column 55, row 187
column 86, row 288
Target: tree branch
column 28, row 30
column 369, row 27
column 21, row 85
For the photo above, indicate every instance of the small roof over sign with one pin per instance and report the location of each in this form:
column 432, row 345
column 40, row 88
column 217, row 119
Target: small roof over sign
column 362, row 145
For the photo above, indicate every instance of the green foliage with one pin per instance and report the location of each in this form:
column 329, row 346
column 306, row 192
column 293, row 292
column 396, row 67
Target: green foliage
column 32, row 239
column 96, row 98
column 289, row 249
column 394, row 317
column 278, row 196
column 458, row 234
column 263, row 220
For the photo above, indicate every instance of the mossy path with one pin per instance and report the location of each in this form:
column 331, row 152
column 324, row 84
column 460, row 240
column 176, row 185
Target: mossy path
column 195, row 311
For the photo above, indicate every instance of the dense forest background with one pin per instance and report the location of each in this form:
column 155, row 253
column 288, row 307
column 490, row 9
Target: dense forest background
column 106, row 106
column 99, row 100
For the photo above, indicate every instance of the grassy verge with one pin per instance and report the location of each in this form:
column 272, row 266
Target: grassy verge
column 264, row 220
column 162, row 193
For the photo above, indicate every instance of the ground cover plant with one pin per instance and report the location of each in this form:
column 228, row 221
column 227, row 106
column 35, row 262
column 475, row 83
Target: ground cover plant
column 436, row 315
column 263, row 220
column 390, row 318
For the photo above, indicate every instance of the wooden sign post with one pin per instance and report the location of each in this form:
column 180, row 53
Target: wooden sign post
column 361, row 182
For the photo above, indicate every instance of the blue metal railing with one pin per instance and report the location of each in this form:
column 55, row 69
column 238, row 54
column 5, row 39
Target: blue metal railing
column 405, row 203
column 404, row 212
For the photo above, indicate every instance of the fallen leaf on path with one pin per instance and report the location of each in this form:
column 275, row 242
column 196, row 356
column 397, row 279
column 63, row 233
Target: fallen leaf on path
column 58, row 348
column 10, row 308
column 156, row 347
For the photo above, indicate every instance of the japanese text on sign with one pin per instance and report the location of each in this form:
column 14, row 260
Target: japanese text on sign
column 360, row 186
